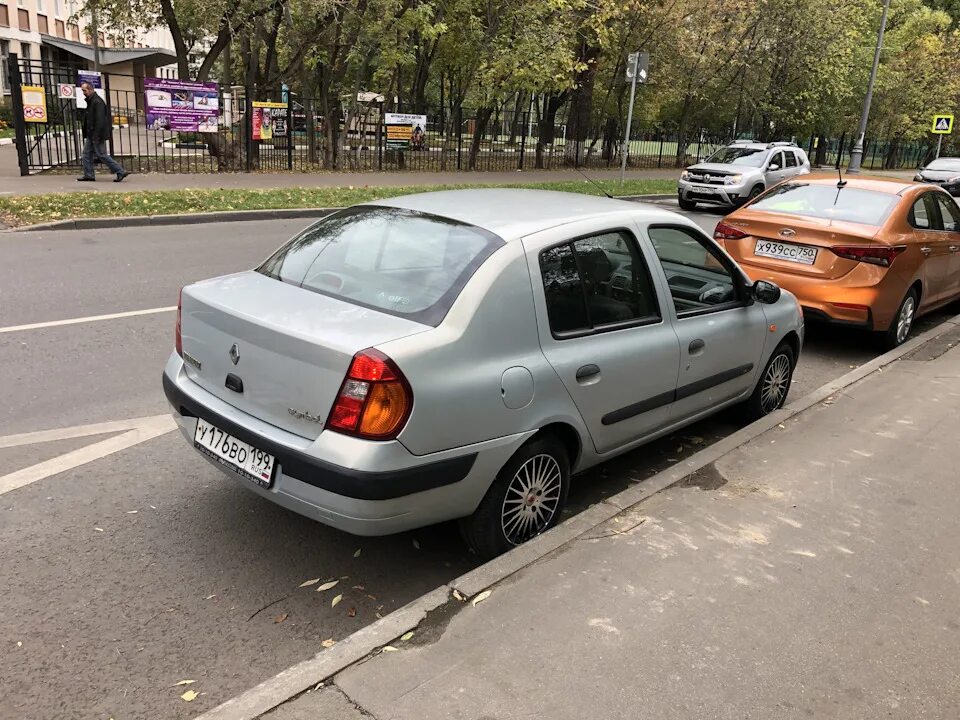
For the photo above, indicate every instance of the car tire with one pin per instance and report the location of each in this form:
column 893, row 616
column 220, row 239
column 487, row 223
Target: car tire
column 687, row 204
column 899, row 330
column 773, row 387
column 755, row 192
column 498, row 523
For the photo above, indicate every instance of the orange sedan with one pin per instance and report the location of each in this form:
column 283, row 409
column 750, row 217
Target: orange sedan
column 863, row 252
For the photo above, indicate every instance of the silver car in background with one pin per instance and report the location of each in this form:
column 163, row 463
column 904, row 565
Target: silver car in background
column 458, row 355
column 736, row 174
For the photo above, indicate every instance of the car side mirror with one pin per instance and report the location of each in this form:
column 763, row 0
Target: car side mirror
column 773, row 167
column 766, row 292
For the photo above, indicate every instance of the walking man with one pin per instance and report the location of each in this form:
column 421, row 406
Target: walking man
column 96, row 129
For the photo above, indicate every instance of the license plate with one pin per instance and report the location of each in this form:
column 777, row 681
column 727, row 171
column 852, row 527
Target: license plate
column 786, row 251
column 243, row 459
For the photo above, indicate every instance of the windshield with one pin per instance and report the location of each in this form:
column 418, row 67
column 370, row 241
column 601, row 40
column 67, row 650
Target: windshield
column 848, row 204
column 752, row 157
column 398, row 261
column 945, row 165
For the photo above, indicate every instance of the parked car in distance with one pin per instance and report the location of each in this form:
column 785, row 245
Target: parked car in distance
column 739, row 172
column 944, row 172
column 457, row 355
column 862, row 252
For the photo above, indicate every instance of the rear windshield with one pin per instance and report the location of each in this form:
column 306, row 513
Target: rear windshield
column 400, row 262
column 945, row 164
column 847, row 204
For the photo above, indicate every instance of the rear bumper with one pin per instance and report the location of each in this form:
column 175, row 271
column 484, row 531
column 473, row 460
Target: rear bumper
column 390, row 490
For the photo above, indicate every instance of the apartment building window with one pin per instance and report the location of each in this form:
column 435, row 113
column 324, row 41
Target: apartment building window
column 5, row 66
column 61, row 31
column 23, row 18
column 43, row 25
column 4, row 16
column 75, row 33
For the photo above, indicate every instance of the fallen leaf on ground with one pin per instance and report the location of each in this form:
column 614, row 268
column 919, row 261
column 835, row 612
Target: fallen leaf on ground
column 458, row 596
column 209, row 597
column 329, row 643
column 361, row 588
column 406, row 636
column 132, row 512
column 19, row 643
column 280, row 618
column 379, row 616
column 98, row 529
column 416, row 543
column 481, row 597
column 336, row 600
column 185, row 682
column 357, row 553
column 308, row 583
column 327, row 585
column 372, row 597
column 352, row 612
column 190, row 695
column 389, row 648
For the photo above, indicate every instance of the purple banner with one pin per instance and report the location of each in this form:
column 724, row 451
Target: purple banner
column 182, row 105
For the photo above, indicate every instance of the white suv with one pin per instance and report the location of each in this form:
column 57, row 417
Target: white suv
column 739, row 172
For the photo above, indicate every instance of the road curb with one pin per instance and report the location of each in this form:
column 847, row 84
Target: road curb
column 214, row 217
column 301, row 677
column 190, row 219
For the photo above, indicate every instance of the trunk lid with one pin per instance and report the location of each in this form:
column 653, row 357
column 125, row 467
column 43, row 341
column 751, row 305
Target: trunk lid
column 294, row 346
column 819, row 234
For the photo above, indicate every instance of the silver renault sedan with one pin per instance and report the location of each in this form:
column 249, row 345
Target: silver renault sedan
column 458, row 355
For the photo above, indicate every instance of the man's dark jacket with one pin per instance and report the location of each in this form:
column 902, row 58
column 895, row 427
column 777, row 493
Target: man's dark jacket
column 96, row 123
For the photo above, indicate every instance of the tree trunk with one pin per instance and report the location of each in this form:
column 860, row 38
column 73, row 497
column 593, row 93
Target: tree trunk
column 483, row 117
column 821, row 154
column 179, row 45
column 548, row 126
column 517, row 114
column 610, row 137
column 581, row 105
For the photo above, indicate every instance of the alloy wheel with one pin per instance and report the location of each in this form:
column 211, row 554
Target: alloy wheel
column 532, row 499
column 905, row 319
column 776, row 383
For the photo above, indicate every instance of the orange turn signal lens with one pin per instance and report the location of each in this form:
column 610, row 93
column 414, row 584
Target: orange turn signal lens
column 386, row 409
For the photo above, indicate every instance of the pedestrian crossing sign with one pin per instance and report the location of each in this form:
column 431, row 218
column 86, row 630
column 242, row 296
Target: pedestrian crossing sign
column 942, row 124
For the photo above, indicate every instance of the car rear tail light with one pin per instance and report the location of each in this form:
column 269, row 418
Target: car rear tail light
column 882, row 255
column 375, row 399
column 179, row 340
column 728, row 232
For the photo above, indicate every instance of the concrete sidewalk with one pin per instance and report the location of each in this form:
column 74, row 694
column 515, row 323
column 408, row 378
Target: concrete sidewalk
column 813, row 572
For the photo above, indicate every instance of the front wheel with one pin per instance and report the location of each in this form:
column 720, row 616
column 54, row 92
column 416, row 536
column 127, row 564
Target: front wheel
column 525, row 500
column 773, row 387
column 899, row 330
column 756, row 192
column 687, row 204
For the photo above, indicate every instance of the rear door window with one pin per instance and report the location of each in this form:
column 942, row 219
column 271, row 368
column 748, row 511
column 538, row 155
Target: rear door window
column 925, row 215
column 398, row 261
column 597, row 283
column 791, row 158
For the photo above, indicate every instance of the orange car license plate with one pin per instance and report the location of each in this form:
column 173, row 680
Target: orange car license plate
column 786, row 251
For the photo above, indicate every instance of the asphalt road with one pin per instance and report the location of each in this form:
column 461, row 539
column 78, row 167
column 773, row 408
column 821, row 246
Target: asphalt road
column 132, row 569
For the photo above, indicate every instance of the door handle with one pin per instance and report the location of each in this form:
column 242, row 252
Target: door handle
column 926, row 250
column 696, row 346
column 587, row 372
column 954, row 248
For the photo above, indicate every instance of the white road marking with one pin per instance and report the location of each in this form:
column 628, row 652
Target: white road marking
column 91, row 318
column 145, row 429
column 77, row 431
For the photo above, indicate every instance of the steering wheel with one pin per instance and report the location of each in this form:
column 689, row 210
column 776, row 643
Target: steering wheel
column 329, row 280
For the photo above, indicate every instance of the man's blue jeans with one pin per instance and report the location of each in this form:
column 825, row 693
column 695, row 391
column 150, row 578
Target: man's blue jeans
column 93, row 150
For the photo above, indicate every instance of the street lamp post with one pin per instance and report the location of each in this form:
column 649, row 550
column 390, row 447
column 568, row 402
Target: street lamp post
column 856, row 155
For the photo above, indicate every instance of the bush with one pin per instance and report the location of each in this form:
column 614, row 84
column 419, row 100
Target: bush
column 6, row 112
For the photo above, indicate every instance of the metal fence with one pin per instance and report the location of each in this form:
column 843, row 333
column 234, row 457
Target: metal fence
column 463, row 139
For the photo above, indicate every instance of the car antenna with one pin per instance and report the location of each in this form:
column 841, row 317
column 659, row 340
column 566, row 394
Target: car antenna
column 595, row 184
column 841, row 183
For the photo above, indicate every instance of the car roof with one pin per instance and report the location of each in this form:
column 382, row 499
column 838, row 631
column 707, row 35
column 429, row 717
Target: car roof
column 889, row 185
column 514, row 213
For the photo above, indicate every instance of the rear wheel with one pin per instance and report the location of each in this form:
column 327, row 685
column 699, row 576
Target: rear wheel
column 525, row 500
column 773, row 387
column 899, row 330
column 687, row 204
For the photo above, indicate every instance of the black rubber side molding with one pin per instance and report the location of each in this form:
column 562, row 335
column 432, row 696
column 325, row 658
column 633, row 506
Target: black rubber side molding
column 347, row 482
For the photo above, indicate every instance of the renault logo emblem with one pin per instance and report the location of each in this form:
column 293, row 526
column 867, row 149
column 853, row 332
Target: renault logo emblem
column 707, row 178
column 234, row 354
column 787, row 232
